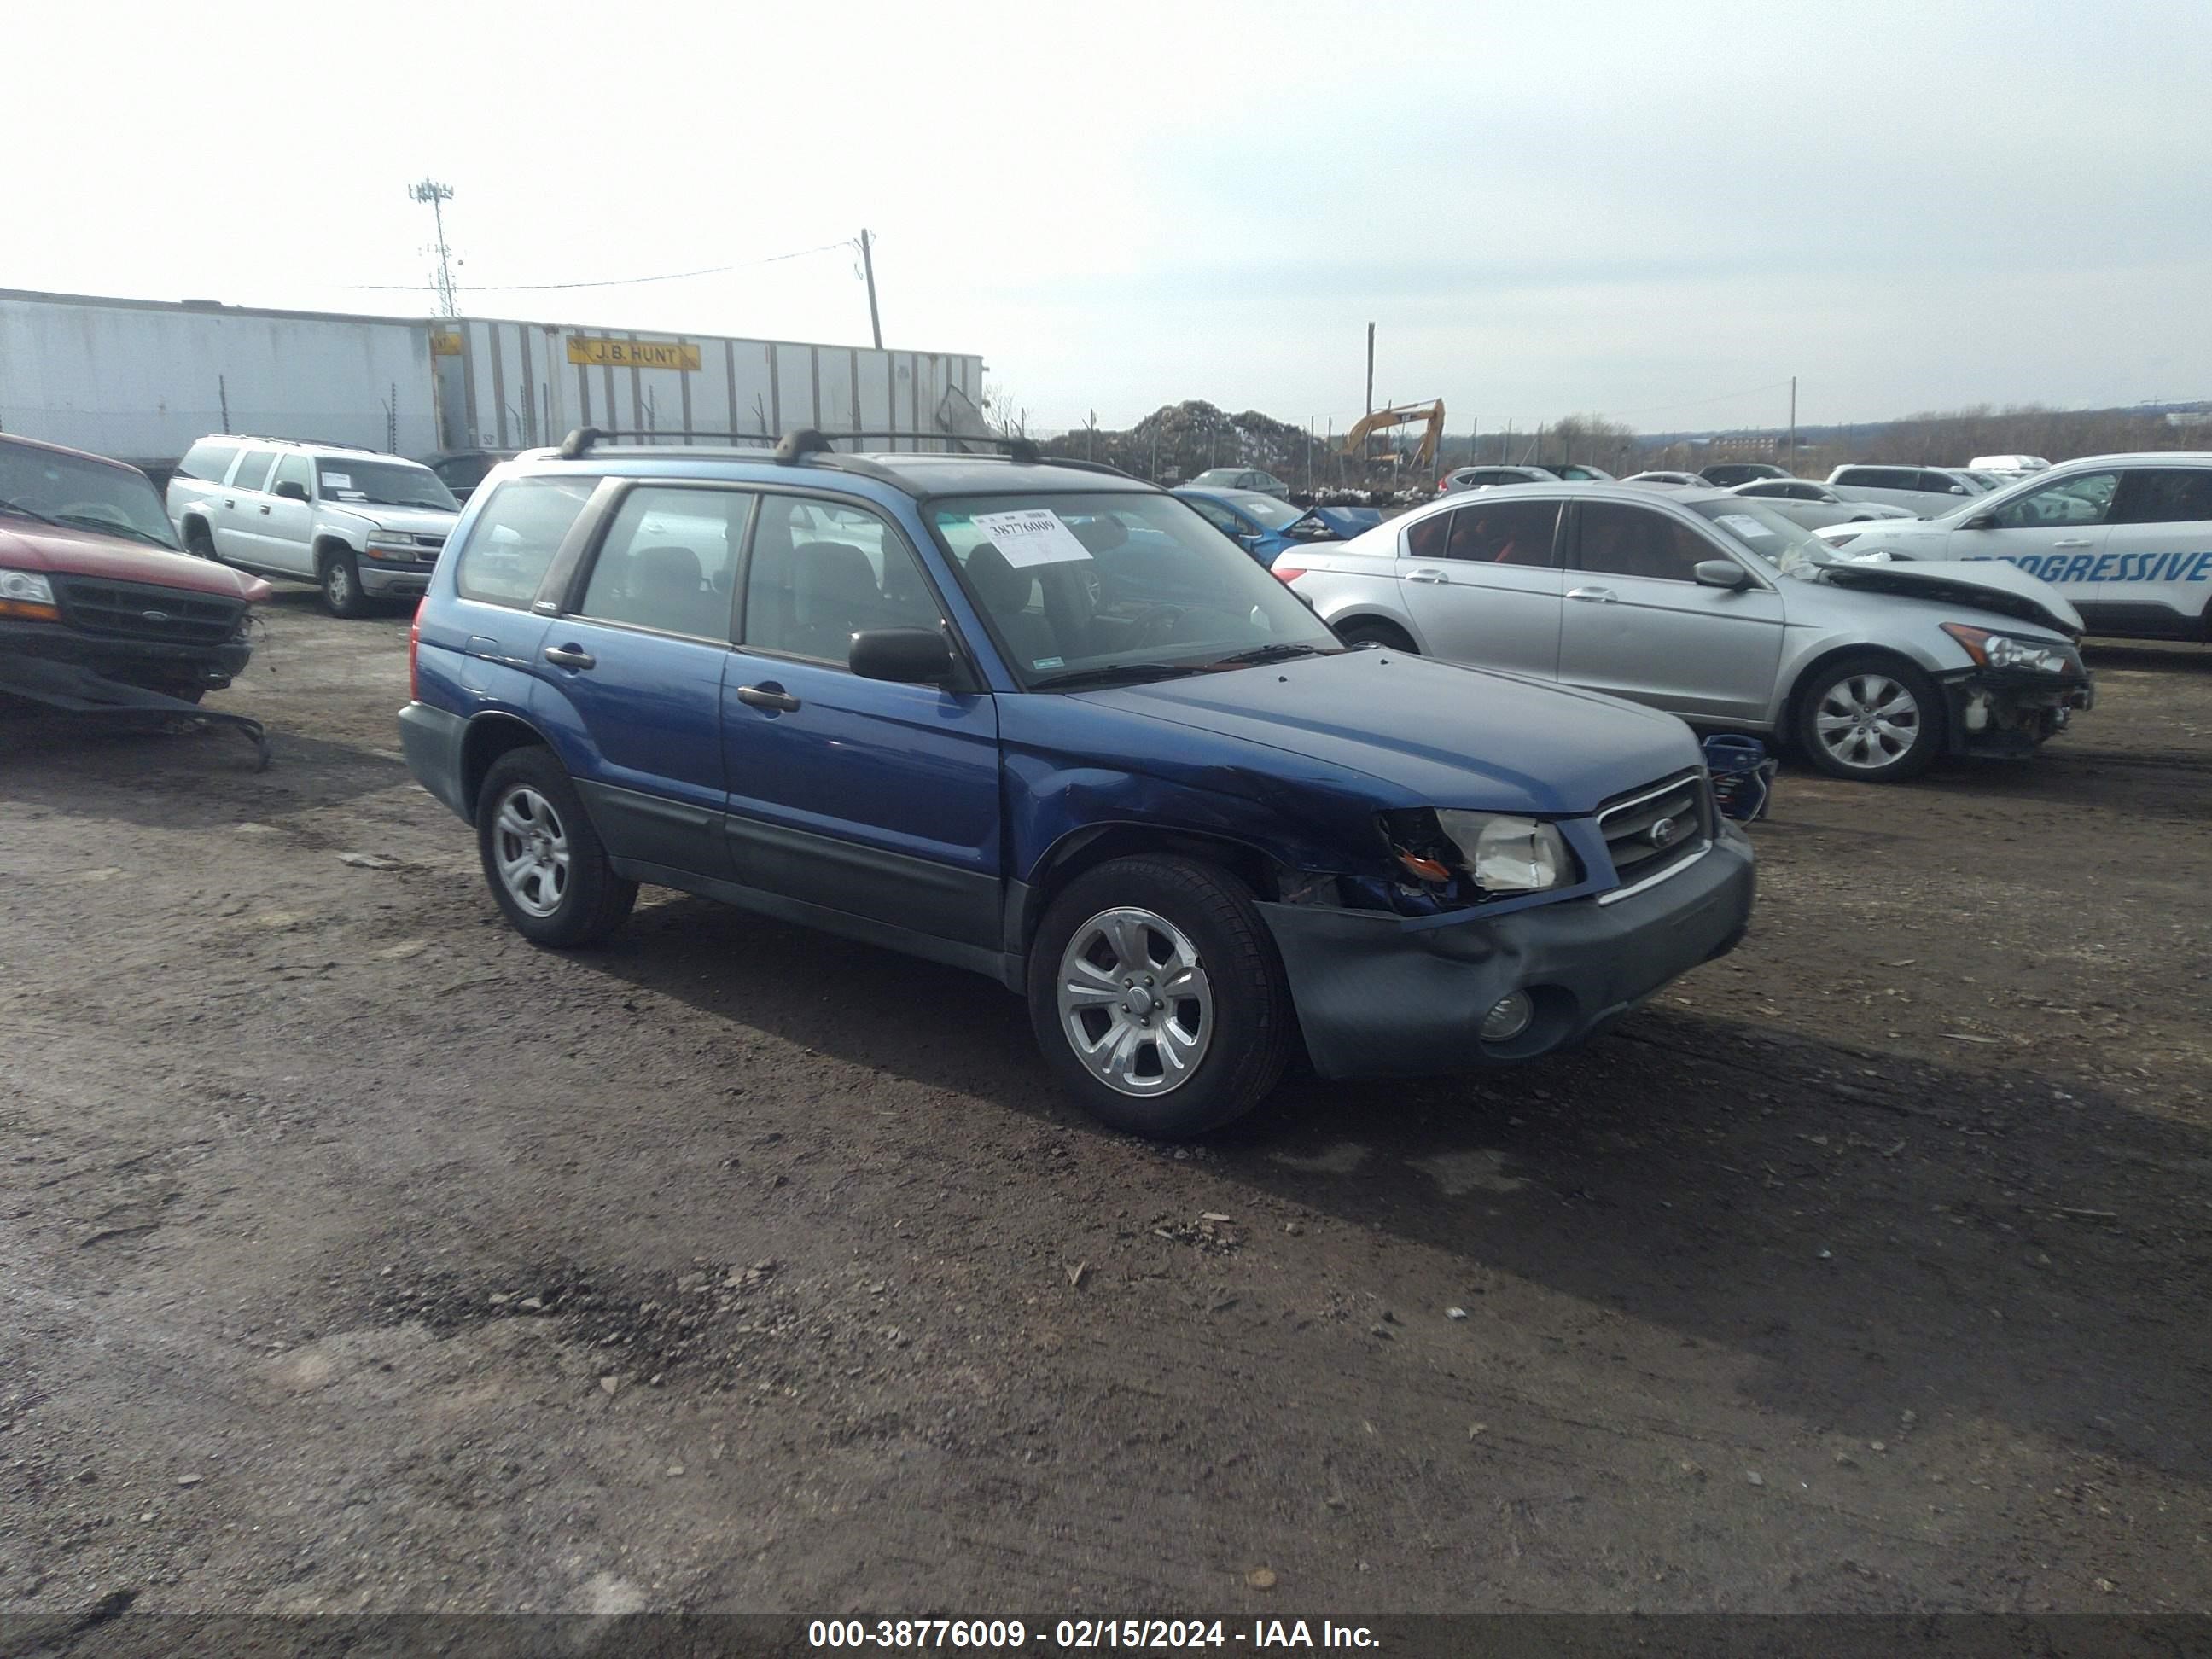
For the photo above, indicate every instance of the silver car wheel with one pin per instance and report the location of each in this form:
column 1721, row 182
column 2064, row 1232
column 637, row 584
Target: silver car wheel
column 1135, row 1003
column 531, row 849
column 1866, row 721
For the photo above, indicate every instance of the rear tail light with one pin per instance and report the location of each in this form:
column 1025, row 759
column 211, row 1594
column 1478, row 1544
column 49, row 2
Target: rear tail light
column 414, row 645
column 1286, row 570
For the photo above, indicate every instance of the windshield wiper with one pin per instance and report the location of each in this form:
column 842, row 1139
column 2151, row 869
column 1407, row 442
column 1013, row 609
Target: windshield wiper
column 115, row 527
column 1282, row 651
column 1117, row 673
column 7, row 506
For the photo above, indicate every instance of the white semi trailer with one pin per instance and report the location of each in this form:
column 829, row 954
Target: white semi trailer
column 140, row 379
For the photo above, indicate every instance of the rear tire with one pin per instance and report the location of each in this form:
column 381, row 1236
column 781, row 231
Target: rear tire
column 1870, row 717
column 1157, row 998
column 545, row 865
column 340, row 577
column 1373, row 630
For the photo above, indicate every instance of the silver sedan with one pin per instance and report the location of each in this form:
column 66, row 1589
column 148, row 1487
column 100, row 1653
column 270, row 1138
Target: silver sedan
column 1815, row 506
column 1715, row 608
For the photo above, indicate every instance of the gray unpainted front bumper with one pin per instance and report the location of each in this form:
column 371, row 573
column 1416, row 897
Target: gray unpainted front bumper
column 1379, row 997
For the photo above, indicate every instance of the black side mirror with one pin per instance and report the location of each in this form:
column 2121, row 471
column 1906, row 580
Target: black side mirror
column 1720, row 572
column 917, row 656
column 1980, row 521
column 291, row 490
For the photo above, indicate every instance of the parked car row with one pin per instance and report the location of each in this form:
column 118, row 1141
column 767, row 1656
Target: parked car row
column 1715, row 607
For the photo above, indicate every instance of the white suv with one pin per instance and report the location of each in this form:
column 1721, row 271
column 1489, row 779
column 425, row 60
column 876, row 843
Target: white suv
column 2128, row 538
column 1926, row 490
column 360, row 526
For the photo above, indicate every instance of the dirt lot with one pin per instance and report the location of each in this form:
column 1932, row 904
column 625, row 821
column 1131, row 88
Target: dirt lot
column 355, row 1255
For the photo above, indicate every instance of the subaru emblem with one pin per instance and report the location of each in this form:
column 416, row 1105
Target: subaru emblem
column 1663, row 833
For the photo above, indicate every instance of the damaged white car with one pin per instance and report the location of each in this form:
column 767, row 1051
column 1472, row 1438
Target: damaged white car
column 1715, row 607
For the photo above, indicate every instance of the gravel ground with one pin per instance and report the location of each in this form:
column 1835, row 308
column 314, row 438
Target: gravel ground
column 357, row 1256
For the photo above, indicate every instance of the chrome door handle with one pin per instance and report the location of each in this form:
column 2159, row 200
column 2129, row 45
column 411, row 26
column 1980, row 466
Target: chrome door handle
column 567, row 656
column 1426, row 575
column 1594, row 595
column 757, row 696
column 265, row 510
column 227, row 501
column 2079, row 542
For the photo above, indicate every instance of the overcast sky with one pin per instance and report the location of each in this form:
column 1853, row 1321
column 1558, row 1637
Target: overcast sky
column 1658, row 212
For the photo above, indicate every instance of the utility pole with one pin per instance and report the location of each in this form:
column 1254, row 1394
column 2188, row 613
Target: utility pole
column 429, row 190
column 1793, row 423
column 1090, row 427
column 868, row 264
column 1367, row 442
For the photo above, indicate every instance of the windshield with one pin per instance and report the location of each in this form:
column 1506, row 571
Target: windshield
column 383, row 484
column 1267, row 509
column 1116, row 586
column 1783, row 543
column 83, row 495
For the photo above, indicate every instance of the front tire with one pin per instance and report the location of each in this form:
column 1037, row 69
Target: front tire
column 341, row 583
column 1157, row 998
column 199, row 542
column 1872, row 718
column 547, row 868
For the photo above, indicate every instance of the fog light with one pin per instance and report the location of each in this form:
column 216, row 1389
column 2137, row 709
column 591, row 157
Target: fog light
column 1509, row 1018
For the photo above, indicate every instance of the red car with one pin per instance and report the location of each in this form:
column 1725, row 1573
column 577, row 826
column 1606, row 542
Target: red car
column 92, row 581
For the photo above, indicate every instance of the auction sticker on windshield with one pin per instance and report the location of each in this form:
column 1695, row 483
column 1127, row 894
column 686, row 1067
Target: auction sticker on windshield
column 1034, row 536
column 1745, row 525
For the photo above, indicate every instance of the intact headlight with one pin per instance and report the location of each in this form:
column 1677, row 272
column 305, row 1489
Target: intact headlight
column 1991, row 650
column 25, row 588
column 1507, row 854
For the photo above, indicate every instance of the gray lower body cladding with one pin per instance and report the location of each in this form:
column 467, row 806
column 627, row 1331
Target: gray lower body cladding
column 1377, row 997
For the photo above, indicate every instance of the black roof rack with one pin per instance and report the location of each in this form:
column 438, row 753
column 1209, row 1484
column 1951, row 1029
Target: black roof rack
column 810, row 444
column 579, row 442
column 307, row 443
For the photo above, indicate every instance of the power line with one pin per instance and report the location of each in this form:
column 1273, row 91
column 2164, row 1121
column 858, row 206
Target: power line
column 612, row 282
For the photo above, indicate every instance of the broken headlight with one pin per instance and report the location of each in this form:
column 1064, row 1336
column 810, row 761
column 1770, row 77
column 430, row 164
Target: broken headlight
column 1991, row 650
column 1498, row 853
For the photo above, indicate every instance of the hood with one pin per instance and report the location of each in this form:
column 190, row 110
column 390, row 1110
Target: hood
column 28, row 545
column 1985, row 584
column 1341, row 523
column 1434, row 733
column 404, row 520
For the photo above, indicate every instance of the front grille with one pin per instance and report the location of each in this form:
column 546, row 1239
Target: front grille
column 424, row 540
column 140, row 610
column 1682, row 804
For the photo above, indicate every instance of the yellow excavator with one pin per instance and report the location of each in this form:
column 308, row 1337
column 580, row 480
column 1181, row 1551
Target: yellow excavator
column 1399, row 415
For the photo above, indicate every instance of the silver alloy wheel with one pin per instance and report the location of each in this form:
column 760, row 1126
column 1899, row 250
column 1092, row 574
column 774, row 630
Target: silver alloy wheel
column 1867, row 721
column 337, row 584
column 1134, row 1001
column 530, row 848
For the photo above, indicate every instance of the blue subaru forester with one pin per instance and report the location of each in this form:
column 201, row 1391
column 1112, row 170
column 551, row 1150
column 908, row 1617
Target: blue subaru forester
column 1039, row 719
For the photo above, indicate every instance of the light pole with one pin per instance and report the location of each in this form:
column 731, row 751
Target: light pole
column 436, row 195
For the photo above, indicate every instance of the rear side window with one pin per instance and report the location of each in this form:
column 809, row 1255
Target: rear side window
column 208, row 461
column 1879, row 477
column 1505, row 532
column 1943, row 483
column 253, row 470
column 670, row 561
column 1634, row 541
column 2164, row 495
column 1425, row 539
column 513, row 539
